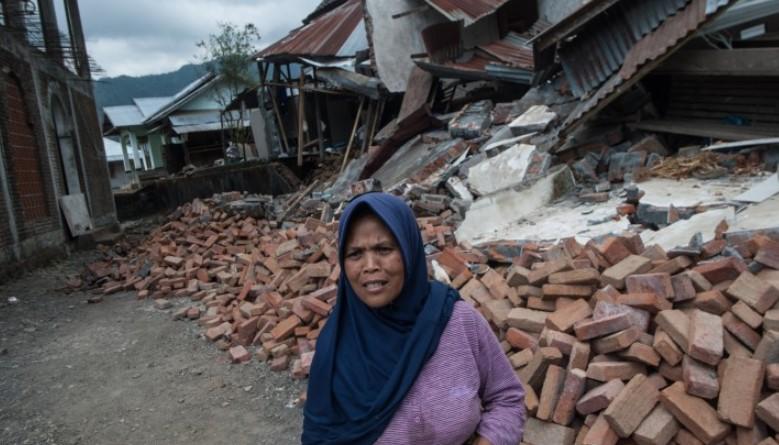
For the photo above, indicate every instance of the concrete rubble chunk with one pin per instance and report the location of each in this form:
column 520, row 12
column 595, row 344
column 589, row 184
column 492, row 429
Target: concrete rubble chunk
column 504, row 208
column 536, row 118
column 507, row 169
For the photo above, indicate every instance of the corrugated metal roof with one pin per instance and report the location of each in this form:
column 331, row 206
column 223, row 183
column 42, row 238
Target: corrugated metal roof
column 124, row 115
column 599, row 50
column 512, row 50
column 469, row 11
column 662, row 41
column 338, row 33
column 150, row 105
column 182, row 97
column 204, row 117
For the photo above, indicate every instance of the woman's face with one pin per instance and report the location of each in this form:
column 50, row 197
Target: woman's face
column 373, row 262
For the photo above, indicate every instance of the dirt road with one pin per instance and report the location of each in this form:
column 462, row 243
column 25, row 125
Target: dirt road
column 121, row 372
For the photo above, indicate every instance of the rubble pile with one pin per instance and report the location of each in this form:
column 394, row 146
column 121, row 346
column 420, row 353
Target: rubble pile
column 616, row 340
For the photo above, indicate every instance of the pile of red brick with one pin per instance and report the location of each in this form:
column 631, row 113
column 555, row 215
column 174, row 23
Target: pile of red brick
column 612, row 339
column 617, row 342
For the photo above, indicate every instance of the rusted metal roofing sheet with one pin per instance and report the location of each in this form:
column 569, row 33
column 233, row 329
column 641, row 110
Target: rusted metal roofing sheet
column 664, row 40
column 600, row 49
column 325, row 36
column 469, row 11
column 512, row 50
column 669, row 34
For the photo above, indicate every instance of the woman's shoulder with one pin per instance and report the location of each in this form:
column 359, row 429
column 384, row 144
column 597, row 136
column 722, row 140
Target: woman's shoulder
column 465, row 318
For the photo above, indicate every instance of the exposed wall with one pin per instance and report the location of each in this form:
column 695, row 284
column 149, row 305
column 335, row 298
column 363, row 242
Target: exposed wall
column 395, row 40
column 555, row 10
column 33, row 175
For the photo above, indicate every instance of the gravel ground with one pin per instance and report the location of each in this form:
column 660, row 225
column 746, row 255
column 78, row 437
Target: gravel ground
column 122, row 372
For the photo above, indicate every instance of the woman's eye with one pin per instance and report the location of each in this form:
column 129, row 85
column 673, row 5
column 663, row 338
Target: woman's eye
column 385, row 250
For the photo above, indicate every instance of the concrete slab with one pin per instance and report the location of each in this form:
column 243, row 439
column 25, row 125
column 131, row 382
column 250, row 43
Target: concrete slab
column 758, row 217
column 761, row 191
column 661, row 192
column 510, row 207
column 537, row 118
column 680, row 233
column 504, row 170
column 74, row 207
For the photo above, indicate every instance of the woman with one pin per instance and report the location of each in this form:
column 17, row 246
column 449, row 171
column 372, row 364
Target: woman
column 403, row 360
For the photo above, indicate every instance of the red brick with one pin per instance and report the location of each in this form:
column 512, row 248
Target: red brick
column 605, row 371
column 632, row 405
column 721, row 270
column 677, row 325
column 741, row 330
column 600, row 397
column 614, row 249
column 699, row 379
column 550, row 392
column 695, row 414
column 706, row 338
column 741, row 385
column 616, row 275
column 684, row 289
column 768, row 411
column 587, row 276
column 600, row 433
column 712, row 301
column 657, row 283
column 565, row 318
column 572, row 390
column 649, row 302
column 520, row 339
column 552, row 291
column 753, row 291
column 285, row 328
column 239, row 354
column 588, row 329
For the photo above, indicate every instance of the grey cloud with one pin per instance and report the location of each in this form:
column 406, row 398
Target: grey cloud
column 151, row 36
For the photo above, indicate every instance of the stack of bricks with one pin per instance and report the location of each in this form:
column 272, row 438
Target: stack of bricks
column 255, row 289
column 616, row 342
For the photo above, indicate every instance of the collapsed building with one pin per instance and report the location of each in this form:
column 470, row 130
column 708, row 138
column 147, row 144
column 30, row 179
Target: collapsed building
column 602, row 186
column 54, row 183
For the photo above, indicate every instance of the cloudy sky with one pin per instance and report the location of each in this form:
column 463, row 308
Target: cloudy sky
column 138, row 37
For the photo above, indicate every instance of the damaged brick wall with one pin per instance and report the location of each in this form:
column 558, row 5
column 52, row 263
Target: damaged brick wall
column 30, row 187
column 32, row 87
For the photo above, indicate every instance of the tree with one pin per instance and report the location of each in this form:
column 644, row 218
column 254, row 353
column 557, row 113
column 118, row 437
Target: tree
column 229, row 54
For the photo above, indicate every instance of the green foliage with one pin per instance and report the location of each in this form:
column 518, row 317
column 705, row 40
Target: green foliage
column 229, row 53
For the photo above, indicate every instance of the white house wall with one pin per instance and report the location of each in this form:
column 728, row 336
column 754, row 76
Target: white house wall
column 395, row 40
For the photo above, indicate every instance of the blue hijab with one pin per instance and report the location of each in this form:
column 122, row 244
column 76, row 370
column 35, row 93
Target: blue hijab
column 368, row 359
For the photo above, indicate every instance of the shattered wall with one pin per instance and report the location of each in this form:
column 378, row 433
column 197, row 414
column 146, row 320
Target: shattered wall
column 395, row 40
column 555, row 10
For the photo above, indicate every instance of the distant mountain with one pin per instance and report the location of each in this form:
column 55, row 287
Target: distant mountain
column 122, row 90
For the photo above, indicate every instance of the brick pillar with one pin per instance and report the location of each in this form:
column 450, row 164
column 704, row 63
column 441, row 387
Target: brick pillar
column 13, row 10
column 77, row 38
column 51, row 33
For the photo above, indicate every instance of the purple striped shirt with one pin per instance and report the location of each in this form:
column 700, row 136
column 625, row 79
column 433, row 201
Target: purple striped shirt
column 468, row 386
